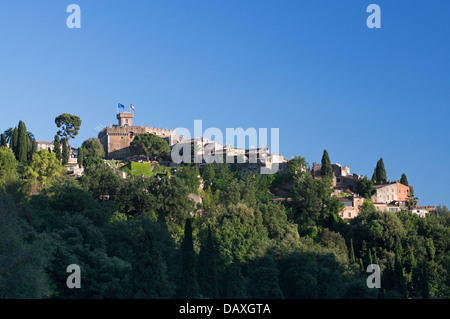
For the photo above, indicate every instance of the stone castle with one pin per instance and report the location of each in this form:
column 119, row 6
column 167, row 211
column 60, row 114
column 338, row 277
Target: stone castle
column 116, row 140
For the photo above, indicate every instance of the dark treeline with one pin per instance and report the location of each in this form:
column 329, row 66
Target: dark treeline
column 144, row 237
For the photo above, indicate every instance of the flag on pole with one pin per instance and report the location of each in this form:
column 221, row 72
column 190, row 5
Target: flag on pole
column 121, row 106
column 132, row 107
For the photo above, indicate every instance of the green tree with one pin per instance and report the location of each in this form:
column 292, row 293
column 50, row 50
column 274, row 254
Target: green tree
column 404, row 180
column 8, row 134
column 208, row 174
column 235, row 284
column 172, row 194
column 43, row 167
column 80, row 158
column 208, row 278
column 134, row 197
column 3, row 142
column 101, row 181
column 326, row 171
column 33, row 148
column 190, row 176
column 65, row 152
column 14, row 140
column 365, row 188
column 57, row 147
column 379, row 174
column 149, row 277
column 150, row 145
column 69, row 126
column 264, row 280
column 188, row 288
column 93, row 148
column 25, row 256
column 295, row 166
column 352, row 252
column 8, row 166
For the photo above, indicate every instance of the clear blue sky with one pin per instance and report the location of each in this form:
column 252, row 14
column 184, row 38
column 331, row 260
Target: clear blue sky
column 309, row 67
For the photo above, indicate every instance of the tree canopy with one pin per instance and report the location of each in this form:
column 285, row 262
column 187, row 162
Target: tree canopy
column 150, row 145
column 93, row 148
column 379, row 173
column 69, row 126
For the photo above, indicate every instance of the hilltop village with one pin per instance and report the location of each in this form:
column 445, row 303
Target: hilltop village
column 141, row 224
column 392, row 196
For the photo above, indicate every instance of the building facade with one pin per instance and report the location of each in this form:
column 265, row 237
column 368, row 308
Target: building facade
column 116, row 140
column 391, row 192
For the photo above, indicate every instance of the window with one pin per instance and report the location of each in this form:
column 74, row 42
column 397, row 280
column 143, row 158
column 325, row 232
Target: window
column 349, row 214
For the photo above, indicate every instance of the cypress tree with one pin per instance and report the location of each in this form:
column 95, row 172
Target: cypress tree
column 149, row 278
column 80, row 156
column 352, row 252
column 208, row 278
column 22, row 144
column 375, row 258
column 379, row 174
column 400, row 279
column 65, row 152
column 425, row 289
column 404, row 180
column 361, row 265
column 33, row 148
column 3, row 140
column 188, row 288
column 13, row 143
column 236, row 288
column 57, row 147
column 326, row 171
column 264, row 280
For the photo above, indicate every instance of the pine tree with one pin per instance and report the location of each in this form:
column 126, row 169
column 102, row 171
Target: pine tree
column 57, row 147
column 22, row 144
column 208, row 279
column 188, row 288
column 3, row 140
column 326, row 171
column 65, row 152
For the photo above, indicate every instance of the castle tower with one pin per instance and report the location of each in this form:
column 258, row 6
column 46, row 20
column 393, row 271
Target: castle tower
column 125, row 119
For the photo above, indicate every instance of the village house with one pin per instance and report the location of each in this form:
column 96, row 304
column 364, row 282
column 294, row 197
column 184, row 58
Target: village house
column 391, row 192
column 352, row 206
column 342, row 178
column 48, row 146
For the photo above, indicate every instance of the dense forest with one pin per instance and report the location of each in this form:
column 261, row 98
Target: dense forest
column 145, row 238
